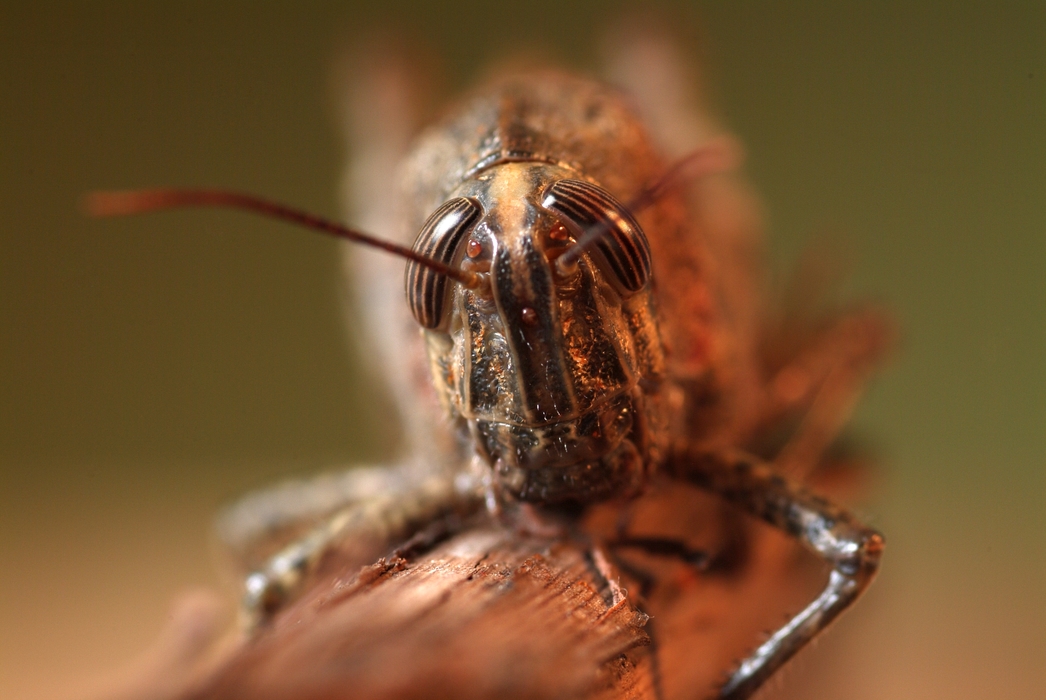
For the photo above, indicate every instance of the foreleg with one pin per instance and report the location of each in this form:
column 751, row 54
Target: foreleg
column 261, row 523
column 852, row 549
column 359, row 531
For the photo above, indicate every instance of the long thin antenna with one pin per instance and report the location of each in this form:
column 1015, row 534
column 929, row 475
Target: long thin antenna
column 125, row 203
column 720, row 155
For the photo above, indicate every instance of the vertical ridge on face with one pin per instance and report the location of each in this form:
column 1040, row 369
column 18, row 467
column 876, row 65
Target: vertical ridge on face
column 624, row 247
column 440, row 239
column 525, row 294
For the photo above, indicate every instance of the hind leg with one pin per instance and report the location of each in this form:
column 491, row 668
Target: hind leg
column 386, row 89
column 821, row 384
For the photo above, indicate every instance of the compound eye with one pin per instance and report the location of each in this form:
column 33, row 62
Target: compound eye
column 441, row 239
column 623, row 248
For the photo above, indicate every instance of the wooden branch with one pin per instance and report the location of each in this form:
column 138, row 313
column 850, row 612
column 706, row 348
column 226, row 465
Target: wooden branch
column 489, row 613
column 485, row 614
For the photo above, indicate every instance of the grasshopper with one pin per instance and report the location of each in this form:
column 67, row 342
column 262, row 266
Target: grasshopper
column 572, row 332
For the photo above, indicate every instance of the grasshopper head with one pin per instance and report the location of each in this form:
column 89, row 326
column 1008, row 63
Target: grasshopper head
column 550, row 358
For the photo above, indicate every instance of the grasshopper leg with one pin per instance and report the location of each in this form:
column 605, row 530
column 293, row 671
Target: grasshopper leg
column 833, row 534
column 822, row 384
column 363, row 530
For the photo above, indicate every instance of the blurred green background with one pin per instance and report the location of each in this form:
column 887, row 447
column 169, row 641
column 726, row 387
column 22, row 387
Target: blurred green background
column 154, row 367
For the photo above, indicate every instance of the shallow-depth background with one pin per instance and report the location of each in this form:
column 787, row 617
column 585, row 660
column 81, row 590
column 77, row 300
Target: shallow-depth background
column 153, row 368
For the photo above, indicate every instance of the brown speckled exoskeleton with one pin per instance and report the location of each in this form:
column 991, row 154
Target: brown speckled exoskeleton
column 582, row 332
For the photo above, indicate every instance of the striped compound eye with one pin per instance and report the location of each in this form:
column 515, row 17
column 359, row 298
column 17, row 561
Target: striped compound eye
column 440, row 239
column 623, row 248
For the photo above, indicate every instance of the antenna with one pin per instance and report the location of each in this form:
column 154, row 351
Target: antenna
column 125, row 203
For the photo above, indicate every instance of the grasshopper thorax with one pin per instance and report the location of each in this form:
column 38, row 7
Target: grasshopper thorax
column 549, row 364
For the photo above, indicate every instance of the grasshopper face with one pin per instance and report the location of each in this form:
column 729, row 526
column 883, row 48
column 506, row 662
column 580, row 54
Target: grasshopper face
column 549, row 364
